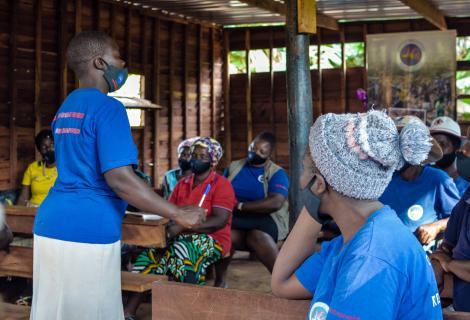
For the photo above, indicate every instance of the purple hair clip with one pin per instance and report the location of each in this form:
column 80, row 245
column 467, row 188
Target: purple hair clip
column 361, row 95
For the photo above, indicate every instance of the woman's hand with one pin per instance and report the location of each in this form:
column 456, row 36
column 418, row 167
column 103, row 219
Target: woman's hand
column 190, row 216
column 443, row 259
column 174, row 230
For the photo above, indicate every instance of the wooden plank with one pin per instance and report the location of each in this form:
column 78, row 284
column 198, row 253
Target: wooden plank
column 19, row 263
column 135, row 230
column 128, row 47
column 156, row 98
column 307, row 16
column 186, row 83
column 78, row 28
column 171, row 89
column 226, row 84
column 272, row 113
column 63, row 76
column 37, row 70
column 249, row 114
column 213, row 97
column 14, row 312
column 429, row 12
column 320, row 77
column 199, row 82
column 144, row 60
column 13, row 90
column 322, row 20
column 181, row 301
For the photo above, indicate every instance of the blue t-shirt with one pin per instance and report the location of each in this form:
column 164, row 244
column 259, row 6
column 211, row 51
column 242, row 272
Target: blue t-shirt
column 248, row 184
column 91, row 136
column 462, row 185
column 457, row 236
column 428, row 198
column 382, row 273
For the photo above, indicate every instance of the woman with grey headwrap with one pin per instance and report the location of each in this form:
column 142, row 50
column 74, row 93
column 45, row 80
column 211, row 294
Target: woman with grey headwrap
column 376, row 269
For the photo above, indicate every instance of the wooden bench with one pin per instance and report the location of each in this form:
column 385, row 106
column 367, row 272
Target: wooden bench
column 178, row 301
column 19, row 263
column 14, row 312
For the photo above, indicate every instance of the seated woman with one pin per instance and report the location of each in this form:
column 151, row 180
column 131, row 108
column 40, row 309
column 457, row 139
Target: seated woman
column 422, row 196
column 184, row 167
column 40, row 175
column 261, row 217
column 376, row 269
column 190, row 252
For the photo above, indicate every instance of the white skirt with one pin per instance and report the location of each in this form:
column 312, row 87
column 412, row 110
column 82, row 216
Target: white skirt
column 76, row 281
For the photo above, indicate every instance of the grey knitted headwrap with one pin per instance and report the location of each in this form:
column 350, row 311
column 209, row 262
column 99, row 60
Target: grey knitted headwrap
column 358, row 153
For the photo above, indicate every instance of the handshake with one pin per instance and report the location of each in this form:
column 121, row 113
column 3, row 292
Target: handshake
column 190, row 217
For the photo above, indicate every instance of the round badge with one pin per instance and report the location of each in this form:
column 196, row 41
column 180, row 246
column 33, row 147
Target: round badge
column 261, row 178
column 410, row 55
column 319, row 311
column 415, row 212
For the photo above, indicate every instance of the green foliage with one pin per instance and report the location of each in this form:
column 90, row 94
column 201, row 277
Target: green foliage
column 237, row 62
column 463, row 48
column 330, row 56
column 354, row 54
column 463, row 82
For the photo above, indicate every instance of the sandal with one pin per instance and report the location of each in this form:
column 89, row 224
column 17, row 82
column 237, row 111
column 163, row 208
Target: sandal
column 25, row 301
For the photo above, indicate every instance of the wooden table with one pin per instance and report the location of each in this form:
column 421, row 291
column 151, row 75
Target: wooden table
column 135, row 230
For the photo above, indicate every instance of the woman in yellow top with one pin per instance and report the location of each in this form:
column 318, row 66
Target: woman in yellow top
column 40, row 175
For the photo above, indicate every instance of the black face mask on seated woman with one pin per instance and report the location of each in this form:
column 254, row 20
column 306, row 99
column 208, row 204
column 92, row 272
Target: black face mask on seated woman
column 199, row 166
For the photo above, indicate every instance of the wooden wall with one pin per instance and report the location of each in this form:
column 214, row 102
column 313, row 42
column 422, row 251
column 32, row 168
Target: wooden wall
column 181, row 62
column 258, row 101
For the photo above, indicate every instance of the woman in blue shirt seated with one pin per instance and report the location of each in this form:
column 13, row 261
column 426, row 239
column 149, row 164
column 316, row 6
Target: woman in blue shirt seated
column 422, row 196
column 376, row 269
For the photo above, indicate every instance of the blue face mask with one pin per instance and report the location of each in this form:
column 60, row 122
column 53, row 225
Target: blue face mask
column 115, row 77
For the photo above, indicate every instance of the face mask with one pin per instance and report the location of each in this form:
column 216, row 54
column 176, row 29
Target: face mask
column 463, row 166
column 115, row 77
column 312, row 202
column 254, row 158
column 49, row 157
column 446, row 161
column 199, row 167
column 184, row 165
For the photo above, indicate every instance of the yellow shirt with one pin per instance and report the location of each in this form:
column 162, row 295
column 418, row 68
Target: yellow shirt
column 41, row 179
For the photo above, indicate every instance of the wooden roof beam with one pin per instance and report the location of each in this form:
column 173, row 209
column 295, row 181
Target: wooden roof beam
column 428, row 11
column 323, row 21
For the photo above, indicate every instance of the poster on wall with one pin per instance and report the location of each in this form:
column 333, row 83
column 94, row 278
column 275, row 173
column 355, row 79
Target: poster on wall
column 412, row 71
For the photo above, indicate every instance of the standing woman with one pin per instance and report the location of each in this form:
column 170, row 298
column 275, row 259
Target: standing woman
column 40, row 176
column 77, row 230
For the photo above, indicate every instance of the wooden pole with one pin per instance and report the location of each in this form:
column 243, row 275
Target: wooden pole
column 226, row 80
column 186, row 83
column 63, row 74
column 128, row 46
column 249, row 115
column 171, row 52
column 299, row 102
column 272, row 113
column 96, row 14
column 78, row 29
column 213, row 97
column 156, row 98
column 144, row 62
column 37, row 73
column 13, row 93
column 199, row 82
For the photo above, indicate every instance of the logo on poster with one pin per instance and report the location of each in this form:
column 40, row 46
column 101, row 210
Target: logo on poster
column 411, row 55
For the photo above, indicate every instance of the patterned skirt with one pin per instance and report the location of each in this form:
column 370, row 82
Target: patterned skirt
column 185, row 260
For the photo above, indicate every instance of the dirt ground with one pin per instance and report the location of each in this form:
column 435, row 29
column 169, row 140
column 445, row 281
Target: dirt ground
column 243, row 274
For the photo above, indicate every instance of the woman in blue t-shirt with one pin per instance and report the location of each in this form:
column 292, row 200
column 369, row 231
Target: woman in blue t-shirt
column 376, row 269
column 77, row 230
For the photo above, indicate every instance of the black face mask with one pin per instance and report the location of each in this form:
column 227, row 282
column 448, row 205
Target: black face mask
column 199, row 166
column 115, row 77
column 184, row 164
column 255, row 159
column 446, row 161
column 49, row 157
column 463, row 166
column 312, row 203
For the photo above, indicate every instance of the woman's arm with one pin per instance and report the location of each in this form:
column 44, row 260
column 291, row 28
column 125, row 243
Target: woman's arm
column 25, row 195
column 136, row 192
column 299, row 246
column 216, row 221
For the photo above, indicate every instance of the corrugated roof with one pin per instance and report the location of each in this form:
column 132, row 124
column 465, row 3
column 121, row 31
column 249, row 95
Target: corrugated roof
column 227, row 12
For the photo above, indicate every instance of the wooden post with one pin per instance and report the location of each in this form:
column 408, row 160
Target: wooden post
column 63, row 76
column 299, row 102
column 320, row 76
column 128, row 37
column 113, row 21
column 249, row 115
column 156, row 98
column 364, row 70
column 78, row 28
column 37, row 72
column 226, row 83
column 13, row 93
column 96, row 14
column 144, row 61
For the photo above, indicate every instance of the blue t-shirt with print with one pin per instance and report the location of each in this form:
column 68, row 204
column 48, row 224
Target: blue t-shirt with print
column 428, row 198
column 92, row 135
column 381, row 273
column 248, row 184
